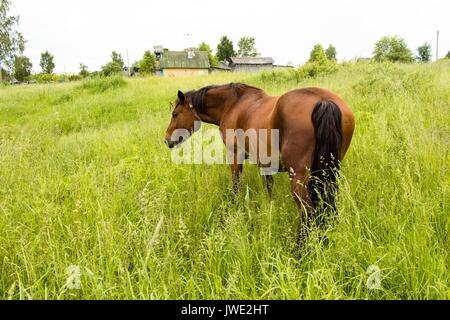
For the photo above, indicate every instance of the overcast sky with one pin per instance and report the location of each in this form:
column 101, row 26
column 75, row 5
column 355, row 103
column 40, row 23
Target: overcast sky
column 87, row 31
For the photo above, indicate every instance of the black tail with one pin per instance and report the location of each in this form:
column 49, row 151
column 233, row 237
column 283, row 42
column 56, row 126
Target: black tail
column 326, row 119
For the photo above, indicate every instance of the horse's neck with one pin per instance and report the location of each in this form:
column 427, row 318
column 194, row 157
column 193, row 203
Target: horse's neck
column 218, row 105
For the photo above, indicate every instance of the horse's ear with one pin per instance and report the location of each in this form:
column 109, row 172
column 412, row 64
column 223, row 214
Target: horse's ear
column 181, row 96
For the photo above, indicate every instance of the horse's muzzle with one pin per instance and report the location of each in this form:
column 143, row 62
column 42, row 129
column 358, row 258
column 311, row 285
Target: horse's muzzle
column 169, row 143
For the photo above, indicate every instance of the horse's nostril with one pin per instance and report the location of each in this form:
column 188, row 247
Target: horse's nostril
column 169, row 143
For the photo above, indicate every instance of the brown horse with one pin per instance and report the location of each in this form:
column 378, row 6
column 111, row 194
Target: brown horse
column 315, row 129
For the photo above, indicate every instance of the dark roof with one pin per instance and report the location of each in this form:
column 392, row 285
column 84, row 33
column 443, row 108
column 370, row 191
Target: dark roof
column 252, row 60
column 179, row 59
column 220, row 68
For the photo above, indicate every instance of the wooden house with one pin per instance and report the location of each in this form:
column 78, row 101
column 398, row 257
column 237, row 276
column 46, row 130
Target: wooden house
column 183, row 63
column 251, row 64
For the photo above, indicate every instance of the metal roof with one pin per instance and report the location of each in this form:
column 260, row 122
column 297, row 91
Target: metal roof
column 252, row 60
column 182, row 59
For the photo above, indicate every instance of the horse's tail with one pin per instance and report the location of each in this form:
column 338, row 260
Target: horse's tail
column 326, row 119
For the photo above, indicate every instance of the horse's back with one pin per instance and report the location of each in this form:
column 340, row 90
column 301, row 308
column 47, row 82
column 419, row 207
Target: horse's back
column 304, row 100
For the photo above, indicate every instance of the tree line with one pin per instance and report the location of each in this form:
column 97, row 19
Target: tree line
column 14, row 64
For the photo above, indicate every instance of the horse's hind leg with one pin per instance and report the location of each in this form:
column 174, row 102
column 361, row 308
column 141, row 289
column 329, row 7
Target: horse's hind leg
column 269, row 183
column 297, row 162
column 299, row 176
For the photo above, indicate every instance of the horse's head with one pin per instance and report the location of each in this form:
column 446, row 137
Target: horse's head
column 182, row 123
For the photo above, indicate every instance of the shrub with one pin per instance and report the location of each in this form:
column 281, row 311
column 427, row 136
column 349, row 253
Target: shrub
column 318, row 54
column 101, row 84
column 384, row 79
column 45, row 77
column 279, row 76
column 74, row 77
column 314, row 69
column 115, row 66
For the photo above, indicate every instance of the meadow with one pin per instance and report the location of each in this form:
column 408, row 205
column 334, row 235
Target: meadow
column 92, row 207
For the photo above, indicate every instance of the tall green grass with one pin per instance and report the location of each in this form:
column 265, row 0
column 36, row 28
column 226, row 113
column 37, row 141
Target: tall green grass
column 86, row 181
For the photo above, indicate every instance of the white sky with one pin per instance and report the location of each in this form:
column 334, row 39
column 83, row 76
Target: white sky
column 87, row 31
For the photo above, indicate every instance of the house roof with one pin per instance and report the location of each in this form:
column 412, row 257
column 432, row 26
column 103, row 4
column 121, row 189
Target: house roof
column 158, row 49
column 180, row 59
column 252, row 60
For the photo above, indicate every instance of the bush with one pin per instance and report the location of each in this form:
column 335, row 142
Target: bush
column 111, row 69
column 45, row 77
column 314, row 69
column 308, row 70
column 115, row 66
column 279, row 76
column 318, row 54
column 384, row 80
column 101, row 84
column 74, row 77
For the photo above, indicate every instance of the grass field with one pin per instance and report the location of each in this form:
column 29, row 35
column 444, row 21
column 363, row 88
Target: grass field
column 88, row 191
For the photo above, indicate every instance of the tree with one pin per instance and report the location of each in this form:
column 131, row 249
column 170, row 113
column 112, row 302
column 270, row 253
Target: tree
column 392, row 49
column 12, row 42
column 115, row 66
column 318, row 63
column 424, row 52
column 212, row 59
column 247, row 47
column 22, row 68
column 318, row 55
column 331, row 53
column 147, row 65
column 448, row 55
column 46, row 63
column 117, row 58
column 84, row 72
column 225, row 49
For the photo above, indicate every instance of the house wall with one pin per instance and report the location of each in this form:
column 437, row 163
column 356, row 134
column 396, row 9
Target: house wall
column 251, row 67
column 178, row 72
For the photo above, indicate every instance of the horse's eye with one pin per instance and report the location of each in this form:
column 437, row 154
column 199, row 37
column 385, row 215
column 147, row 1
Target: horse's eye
column 174, row 114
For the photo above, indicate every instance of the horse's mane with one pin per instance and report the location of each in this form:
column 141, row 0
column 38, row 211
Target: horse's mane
column 197, row 97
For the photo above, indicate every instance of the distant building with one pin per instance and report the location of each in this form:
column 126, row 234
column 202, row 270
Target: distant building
column 251, row 64
column 158, row 50
column 222, row 66
column 125, row 71
column 183, row 63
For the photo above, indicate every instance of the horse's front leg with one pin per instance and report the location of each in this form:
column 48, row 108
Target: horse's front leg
column 236, row 171
column 235, row 157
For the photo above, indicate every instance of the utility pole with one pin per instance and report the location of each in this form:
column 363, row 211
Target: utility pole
column 437, row 45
